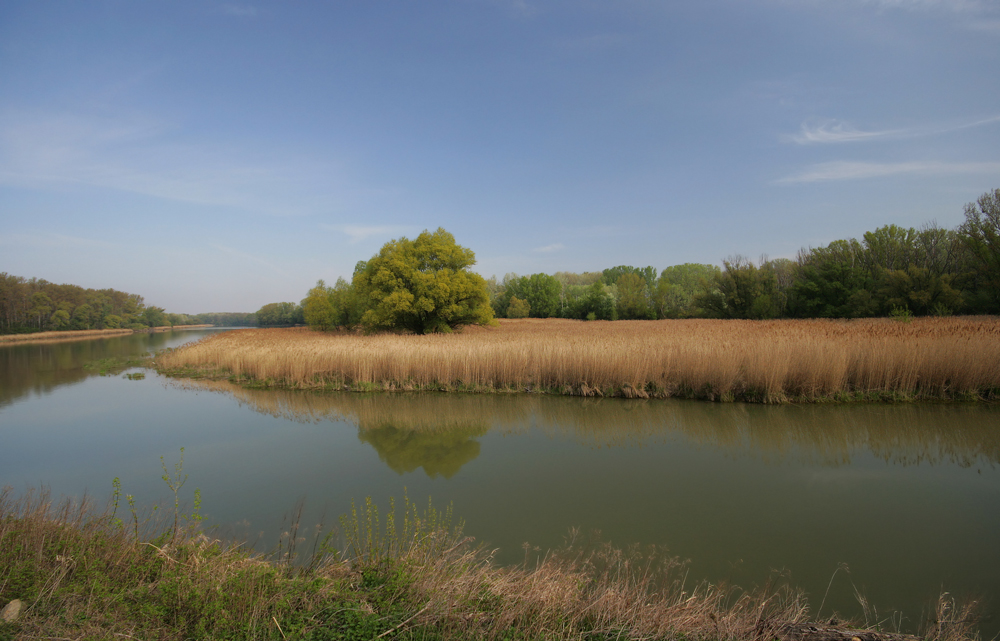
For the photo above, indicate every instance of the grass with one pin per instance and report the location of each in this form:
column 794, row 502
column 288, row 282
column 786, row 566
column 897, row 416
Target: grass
column 955, row 358
column 403, row 574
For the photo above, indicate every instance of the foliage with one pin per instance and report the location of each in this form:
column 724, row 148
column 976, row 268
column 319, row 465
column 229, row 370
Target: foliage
column 422, row 286
column 279, row 315
column 680, row 286
column 981, row 236
column 38, row 305
column 611, row 275
column 595, row 303
column 633, row 297
column 518, row 308
column 745, row 290
column 541, row 292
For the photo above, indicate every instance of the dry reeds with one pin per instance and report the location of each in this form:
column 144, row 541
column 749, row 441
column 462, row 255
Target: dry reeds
column 62, row 336
column 761, row 361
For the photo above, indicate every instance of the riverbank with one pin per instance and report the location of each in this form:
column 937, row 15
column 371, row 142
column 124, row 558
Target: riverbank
column 718, row 360
column 85, row 334
column 79, row 573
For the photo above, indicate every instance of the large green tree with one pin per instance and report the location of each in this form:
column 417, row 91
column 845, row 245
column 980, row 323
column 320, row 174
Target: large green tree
column 422, row 285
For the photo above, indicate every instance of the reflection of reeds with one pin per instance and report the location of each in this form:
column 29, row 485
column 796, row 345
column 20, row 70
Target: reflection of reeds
column 829, row 434
column 764, row 361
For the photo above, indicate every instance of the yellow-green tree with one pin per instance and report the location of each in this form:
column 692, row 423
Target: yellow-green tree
column 422, row 285
column 518, row 308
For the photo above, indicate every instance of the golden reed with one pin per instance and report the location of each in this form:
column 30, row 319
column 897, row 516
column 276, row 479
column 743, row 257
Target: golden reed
column 762, row 361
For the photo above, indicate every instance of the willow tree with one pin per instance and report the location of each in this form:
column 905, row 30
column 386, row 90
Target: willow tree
column 422, row 285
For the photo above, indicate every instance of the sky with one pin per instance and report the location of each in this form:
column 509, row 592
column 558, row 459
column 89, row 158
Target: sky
column 218, row 156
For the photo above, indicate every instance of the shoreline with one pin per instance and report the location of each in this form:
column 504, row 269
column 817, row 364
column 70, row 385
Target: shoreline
column 85, row 334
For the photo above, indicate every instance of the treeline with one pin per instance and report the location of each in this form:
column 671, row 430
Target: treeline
column 34, row 305
column 215, row 319
column 889, row 271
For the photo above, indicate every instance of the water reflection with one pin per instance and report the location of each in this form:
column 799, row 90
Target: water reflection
column 439, row 452
column 436, row 431
column 39, row 368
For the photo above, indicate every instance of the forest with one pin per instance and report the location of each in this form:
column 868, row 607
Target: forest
column 35, row 305
column 891, row 271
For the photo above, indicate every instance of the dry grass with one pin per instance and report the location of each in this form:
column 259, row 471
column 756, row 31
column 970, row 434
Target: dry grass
column 762, row 361
column 62, row 336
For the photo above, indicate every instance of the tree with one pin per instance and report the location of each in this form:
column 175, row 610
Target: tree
column 981, row 235
column 317, row 308
column 518, row 308
column 679, row 286
column 279, row 315
column 633, row 297
column 422, row 285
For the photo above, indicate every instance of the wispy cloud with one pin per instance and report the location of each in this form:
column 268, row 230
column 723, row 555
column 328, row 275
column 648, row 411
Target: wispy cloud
column 149, row 156
column 358, row 233
column 837, row 131
column 549, row 248
column 240, row 10
column 846, row 170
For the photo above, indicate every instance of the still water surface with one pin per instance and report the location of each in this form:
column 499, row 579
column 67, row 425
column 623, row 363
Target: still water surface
column 907, row 496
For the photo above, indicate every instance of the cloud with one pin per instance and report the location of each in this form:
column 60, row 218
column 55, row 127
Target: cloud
column 837, row 131
column 359, row 233
column 150, row 157
column 549, row 248
column 846, row 170
column 239, row 10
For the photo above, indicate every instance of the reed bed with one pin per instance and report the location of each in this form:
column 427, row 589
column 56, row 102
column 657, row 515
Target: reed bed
column 59, row 336
column 759, row 361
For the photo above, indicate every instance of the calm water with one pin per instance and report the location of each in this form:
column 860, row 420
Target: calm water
column 907, row 496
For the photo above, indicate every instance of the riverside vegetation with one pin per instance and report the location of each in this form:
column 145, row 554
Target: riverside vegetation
column 85, row 573
column 954, row 358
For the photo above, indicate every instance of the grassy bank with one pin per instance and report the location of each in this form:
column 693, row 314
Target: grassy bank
column 756, row 361
column 86, row 574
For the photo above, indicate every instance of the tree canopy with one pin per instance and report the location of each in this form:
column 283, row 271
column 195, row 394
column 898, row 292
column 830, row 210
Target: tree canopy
column 422, row 285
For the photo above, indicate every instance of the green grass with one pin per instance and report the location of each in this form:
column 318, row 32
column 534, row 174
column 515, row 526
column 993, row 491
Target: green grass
column 407, row 572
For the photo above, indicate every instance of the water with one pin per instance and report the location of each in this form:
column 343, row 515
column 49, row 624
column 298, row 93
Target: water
column 907, row 496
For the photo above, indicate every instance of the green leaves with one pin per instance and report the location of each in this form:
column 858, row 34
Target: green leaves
column 422, row 285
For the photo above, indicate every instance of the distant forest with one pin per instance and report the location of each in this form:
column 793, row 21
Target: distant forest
column 36, row 305
column 891, row 271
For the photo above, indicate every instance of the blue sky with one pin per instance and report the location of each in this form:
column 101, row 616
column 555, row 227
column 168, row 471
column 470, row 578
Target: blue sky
column 220, row 156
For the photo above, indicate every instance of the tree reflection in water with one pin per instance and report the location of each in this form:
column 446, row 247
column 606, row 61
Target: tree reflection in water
column 440, row 452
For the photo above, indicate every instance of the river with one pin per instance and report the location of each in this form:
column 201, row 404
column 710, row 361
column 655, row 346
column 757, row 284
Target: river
column 903, row 499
